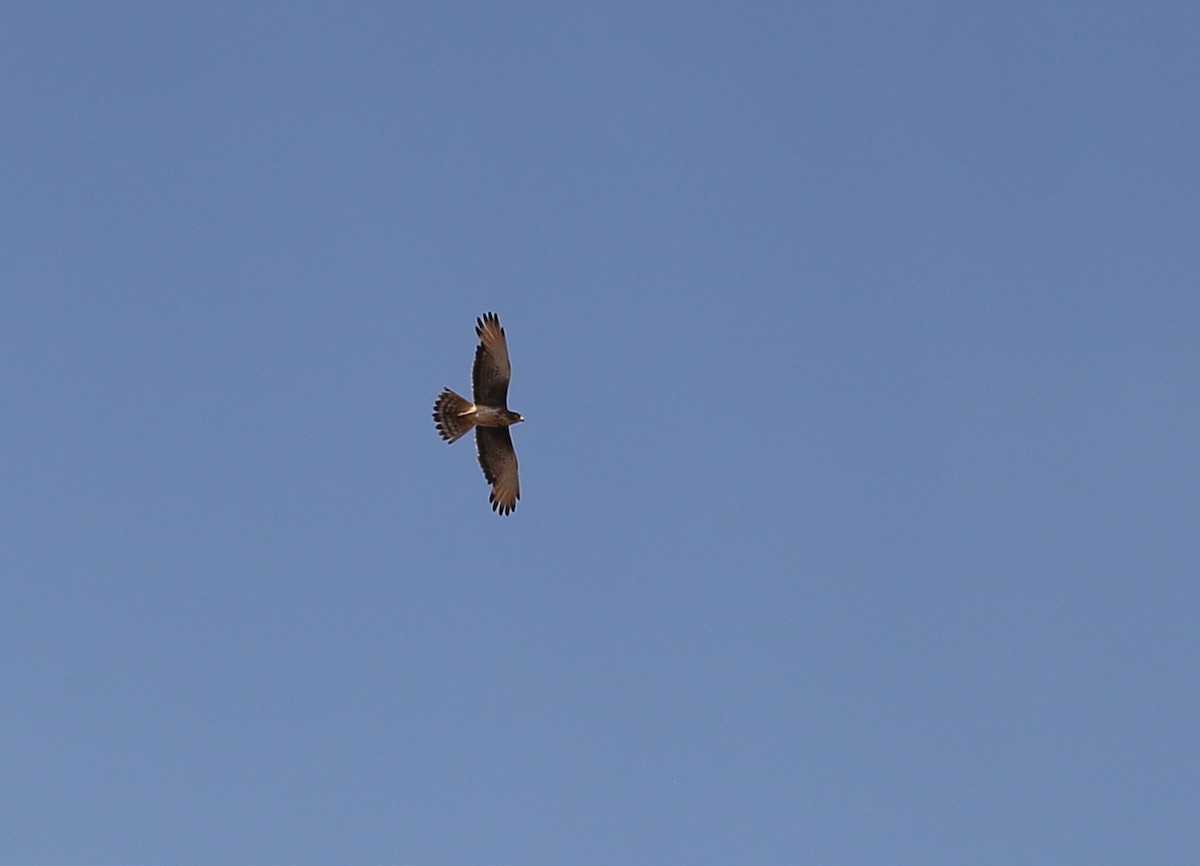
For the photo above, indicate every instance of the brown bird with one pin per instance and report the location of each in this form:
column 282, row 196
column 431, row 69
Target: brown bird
column 489, row 414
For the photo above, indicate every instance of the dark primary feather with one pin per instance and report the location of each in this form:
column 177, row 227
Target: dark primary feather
column 492, row 370
column 498, row 460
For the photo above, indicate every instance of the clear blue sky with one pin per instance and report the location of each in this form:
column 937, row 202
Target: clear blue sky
column 858, row 345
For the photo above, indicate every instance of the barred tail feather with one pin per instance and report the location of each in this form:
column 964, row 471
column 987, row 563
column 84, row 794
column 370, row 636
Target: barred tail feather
column 453, row 415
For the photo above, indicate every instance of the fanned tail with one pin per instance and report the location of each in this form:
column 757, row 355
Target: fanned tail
column 453, row 415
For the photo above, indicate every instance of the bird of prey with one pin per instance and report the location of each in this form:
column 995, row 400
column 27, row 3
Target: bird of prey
column 489, row 415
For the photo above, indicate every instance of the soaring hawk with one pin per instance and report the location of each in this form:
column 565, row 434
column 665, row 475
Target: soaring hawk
column 489, row 414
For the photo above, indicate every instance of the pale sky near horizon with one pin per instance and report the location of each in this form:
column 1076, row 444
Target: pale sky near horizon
column 857, row 345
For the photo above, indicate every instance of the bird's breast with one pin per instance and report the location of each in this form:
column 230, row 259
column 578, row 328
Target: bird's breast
column 494, row 416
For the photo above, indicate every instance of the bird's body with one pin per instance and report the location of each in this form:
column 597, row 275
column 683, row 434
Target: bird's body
column 488, row 415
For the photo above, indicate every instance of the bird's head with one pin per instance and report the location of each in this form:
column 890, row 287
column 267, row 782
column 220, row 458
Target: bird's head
column 514, row 418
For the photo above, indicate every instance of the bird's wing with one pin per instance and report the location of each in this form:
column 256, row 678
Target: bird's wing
column 499, row 463
column 492, row 370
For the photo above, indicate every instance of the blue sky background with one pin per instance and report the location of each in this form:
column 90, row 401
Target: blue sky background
column 858, row 348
